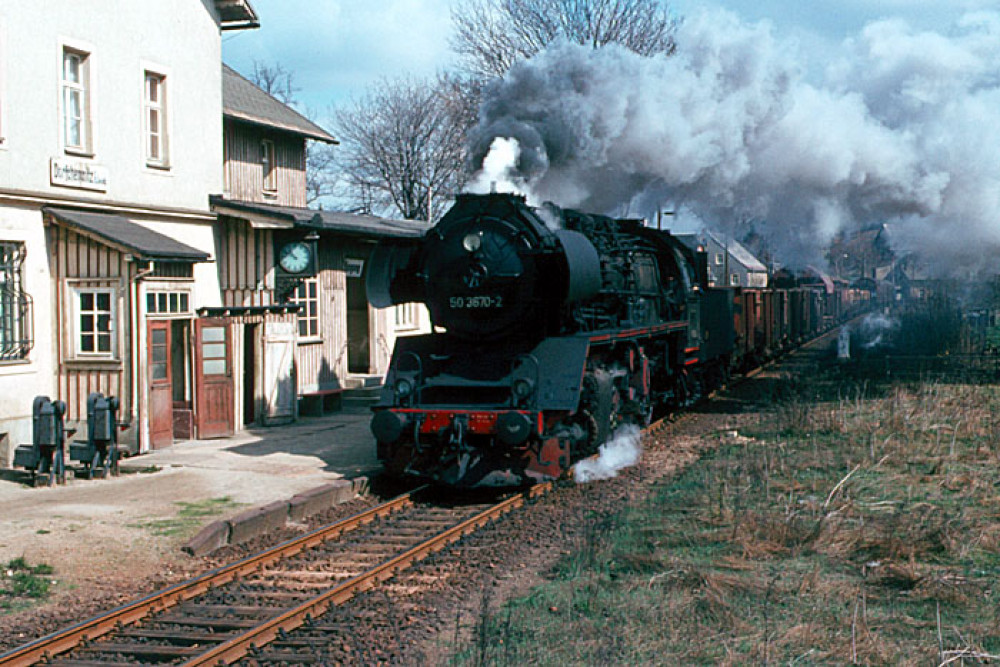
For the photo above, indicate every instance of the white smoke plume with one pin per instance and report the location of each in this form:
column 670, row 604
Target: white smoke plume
column 874, row 328
column 622, row 451
column 903, row 130
column 499, row 170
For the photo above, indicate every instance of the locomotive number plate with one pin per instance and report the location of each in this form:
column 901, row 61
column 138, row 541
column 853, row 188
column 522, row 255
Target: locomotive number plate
column 463, row 302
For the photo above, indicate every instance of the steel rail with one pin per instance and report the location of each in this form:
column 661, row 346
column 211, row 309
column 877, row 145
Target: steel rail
column 65, row 640
column 238, row 647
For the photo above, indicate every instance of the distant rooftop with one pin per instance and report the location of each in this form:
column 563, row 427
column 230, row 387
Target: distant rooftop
column 242, row 100
column 734, row 247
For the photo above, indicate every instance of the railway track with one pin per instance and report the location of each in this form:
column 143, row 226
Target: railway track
column 227, row 613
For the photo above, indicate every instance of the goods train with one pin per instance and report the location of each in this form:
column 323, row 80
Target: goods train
column 553, row 327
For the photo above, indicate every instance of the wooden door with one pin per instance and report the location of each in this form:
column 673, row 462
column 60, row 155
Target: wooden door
column 358, row 333
column 213, row 353
column 280, row 393
column 161, row 404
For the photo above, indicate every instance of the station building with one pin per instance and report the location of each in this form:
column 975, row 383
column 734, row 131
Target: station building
column 142, row 222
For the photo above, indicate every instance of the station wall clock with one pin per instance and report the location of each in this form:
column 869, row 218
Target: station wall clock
column 297, row 257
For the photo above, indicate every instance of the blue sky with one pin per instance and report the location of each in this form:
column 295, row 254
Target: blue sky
column 335, row 48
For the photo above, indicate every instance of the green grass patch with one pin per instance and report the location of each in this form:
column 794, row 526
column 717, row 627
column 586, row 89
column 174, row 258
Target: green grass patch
column 22, row 584
column 190, row 516
column 854, row 528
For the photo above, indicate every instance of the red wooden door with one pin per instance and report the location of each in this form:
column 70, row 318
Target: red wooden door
column 161, row 405
column 213, row 354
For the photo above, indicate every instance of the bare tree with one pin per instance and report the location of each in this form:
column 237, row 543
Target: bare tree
column 275, row 80
column 403, row 146
column 322, row 172
column 491, row 35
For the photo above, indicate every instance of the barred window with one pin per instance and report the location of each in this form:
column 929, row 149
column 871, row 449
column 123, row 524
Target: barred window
column 15, row 304
column 306, row 295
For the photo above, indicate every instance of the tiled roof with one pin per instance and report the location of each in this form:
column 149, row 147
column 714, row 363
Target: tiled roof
column 130, row 236
column 244, row 101
column 734, row 247
column 352, row 224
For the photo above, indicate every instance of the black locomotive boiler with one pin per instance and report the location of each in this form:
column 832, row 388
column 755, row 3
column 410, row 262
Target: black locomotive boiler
column 551, row 327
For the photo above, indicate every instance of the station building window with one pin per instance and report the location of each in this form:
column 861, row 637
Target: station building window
column 15, row 304
column 77, row 135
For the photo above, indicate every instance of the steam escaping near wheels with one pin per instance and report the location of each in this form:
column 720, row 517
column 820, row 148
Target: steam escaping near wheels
column 621, row 451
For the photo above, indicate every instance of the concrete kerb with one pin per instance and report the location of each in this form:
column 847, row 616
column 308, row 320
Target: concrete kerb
column 252, row 523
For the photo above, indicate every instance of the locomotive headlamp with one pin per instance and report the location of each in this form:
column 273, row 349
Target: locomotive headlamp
column 522, row 388
column 403, row 388
column 472, row 242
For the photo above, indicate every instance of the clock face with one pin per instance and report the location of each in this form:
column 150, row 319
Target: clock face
column 295, row 257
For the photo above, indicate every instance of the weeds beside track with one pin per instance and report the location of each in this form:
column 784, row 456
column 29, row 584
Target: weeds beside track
column 850, row 524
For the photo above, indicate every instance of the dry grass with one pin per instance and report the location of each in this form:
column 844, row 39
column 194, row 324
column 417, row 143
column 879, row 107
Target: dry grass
column 857, row 526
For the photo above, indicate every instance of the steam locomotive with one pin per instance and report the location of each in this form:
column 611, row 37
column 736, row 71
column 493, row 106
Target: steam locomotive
column 552, row 327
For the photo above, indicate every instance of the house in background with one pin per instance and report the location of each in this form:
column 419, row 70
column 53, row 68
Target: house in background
column 274, row 253
column 110, row 144
column 730, row 264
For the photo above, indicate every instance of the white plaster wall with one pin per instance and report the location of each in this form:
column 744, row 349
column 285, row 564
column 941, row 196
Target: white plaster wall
column 178, row 38
column 20, row 382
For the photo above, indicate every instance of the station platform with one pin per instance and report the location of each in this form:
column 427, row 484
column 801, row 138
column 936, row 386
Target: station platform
column 224, row 476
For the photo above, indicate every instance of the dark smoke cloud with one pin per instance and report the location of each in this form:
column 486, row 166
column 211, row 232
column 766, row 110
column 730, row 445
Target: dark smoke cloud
column 905, row 129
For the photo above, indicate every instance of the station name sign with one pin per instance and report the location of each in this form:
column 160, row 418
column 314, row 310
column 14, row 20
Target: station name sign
column 78, row 174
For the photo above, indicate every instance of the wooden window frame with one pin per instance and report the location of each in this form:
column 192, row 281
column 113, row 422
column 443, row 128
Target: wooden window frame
column 78, row 331
column 79, row 89
column 269, row 170
column 155, row 134
column 175, row 303
column 306, row 296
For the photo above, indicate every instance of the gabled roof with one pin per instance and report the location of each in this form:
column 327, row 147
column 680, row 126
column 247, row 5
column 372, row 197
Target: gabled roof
column 349, row 224
column 732, row 246
column 236, row 14
column 242, row 100
column 128, row 236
